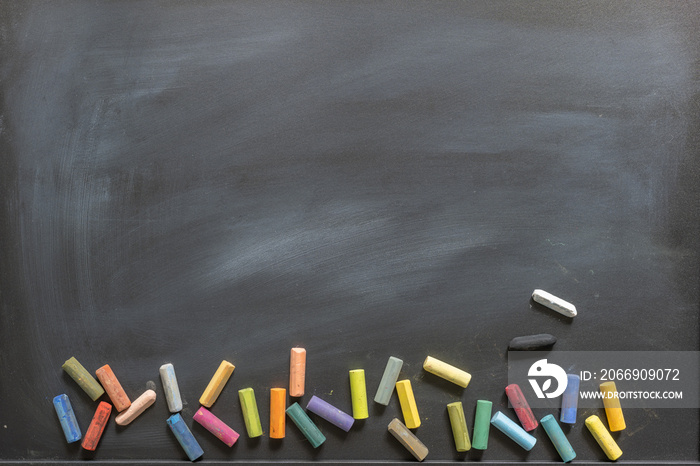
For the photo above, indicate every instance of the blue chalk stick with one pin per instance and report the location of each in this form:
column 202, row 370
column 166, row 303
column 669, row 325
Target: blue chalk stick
column 556, row 435
column 569, row 400
column 516, row 433
column 185, row 437
column 69, row 423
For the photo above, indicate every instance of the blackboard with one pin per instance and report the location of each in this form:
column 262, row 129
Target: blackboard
column 189, row 182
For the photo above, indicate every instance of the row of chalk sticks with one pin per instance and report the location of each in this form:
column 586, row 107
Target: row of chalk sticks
column 389, row 381
column 129, row 411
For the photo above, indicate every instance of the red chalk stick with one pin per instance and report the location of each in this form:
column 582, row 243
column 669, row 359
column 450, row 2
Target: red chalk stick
column 97, row 426
column 521, row 407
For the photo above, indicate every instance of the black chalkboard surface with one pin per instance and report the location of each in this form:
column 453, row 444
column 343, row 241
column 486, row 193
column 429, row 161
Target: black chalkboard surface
column 189, row 182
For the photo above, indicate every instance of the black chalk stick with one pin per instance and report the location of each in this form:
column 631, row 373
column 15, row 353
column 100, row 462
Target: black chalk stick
column 532, row 342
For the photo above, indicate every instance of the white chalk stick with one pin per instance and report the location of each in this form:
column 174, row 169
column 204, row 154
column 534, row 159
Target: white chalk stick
column 554, row 303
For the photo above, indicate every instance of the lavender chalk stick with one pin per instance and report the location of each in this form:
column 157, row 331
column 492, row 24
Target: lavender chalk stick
column 330, row 413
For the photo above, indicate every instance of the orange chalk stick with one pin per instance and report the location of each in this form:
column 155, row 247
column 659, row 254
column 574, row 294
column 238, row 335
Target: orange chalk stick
column 97, row 426
column 278, row 400
column 113, row 388
column 297, row 371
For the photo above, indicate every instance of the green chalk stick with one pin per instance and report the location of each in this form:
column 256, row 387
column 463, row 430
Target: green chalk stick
column 482, row 423
column 250, row 412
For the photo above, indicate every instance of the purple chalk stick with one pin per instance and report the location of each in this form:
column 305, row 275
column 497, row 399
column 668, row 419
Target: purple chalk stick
column 330, row 413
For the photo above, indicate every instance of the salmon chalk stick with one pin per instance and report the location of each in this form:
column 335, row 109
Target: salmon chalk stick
column 216, row 426
column 408, row 404
column 330, row 413
column 447, row 372
column 184, row 437
column 613, row 411
column 358, row 394
column 388, row 382
column 114, row 389
column 521, row 407
column 297, row 371
column 83, row 378
column 216, row 384
column 603, row 437
column 66, row 416
column 139, row 405
column 97, row 426
column 459, row 426
column 170, row 387
column 408, row 439
column 250, row 412
column 278, row 401
column 554, row 303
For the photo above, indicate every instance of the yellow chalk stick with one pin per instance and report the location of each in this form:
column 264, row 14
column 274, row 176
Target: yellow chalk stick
column 216, row 384
column 408, row 404
column 447, row 372
column 459, row 426
column 297, row 371
column 613, row 411
column 603, row 437
column 358, row 393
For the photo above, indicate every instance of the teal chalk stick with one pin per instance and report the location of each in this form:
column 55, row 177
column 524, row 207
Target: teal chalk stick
column 305, row 425
column 556, row 435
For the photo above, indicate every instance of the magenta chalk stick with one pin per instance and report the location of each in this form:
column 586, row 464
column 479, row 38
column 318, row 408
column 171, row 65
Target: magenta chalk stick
column 216, row 426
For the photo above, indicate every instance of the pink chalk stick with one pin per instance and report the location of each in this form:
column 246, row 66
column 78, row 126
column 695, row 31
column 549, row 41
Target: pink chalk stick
column 216, row 426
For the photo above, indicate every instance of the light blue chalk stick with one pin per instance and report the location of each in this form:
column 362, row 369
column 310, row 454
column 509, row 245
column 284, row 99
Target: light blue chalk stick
column 556, row 435
column 388, row 382
column 516, row 433
column 185, row 437
column 569, row 400
column 69, row 423
column 170, row 387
